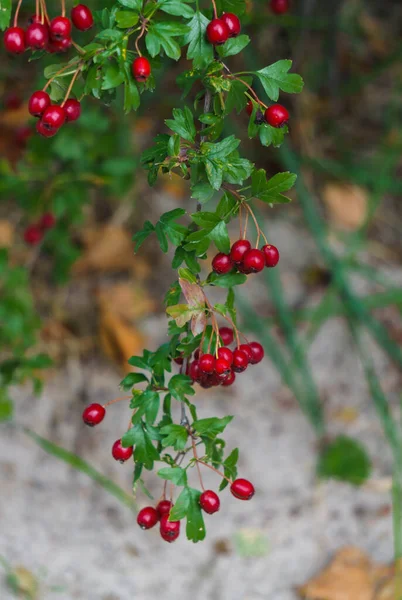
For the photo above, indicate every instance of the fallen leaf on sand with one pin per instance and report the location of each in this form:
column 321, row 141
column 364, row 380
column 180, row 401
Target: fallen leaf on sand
column 351, row 575
column 346, row 204
column 6, row 234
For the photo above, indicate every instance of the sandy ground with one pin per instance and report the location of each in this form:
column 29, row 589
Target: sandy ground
column 57, row 522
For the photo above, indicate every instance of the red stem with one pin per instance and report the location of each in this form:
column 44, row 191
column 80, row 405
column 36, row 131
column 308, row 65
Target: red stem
column 17, row 10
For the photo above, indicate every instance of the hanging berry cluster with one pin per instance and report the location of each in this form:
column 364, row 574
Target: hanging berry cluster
column 205, row 346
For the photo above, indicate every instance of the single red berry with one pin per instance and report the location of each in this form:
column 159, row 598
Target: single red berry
column 217, row 32
column 38, row 103
column 12, row 101
column 147, row 517
column 222, row 263
column 82, row 17
column 60, row 28
column 120, row 453
column 197, row 354
column 72, row 108
column 14, row 40
column 59, row 46
column 280, row 7
column 276, row 115
column 207, row 363
column 242, row 489
column 195, row 372
column 240, row 361
column 222, row 366
column 232, row 23
column 44, row 130
column 209, row 502
column 93, row 414
column 179, row 360
column 271, row 254
column 226, row 335
column 37, row 36
column 48, row 221
column 170, row 530
column 226, row 354
column 141, row 68
column 164, row 507
column 254, row 260
column 33, row 235
column 53, row 117
column 246, row 348
column 22, row 135
column 238, row 250
column 207, row 381
column 242, row 269
column 257, row 352
column 229, row 380
column 249, row 108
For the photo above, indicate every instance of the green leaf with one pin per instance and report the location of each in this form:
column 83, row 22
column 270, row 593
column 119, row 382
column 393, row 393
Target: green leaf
column 236, row 99
column 272, row 135
column 180, row 386
column 199, row 50
column 176, row 474
column 211, row 427
column 135, row 4
column 144, row 450
column 174, row 435
column 238, row 7
column 6, row 406
column 230, row 468
column 131, row 93
column 183, row 123
column 158, row 36
column 126, row 19
column 188, row 505
column 233, row 46
column 140, row 237
column 220, row 149
column 270, row 190
column 202, row 192
column 179, row 8
column 132, row 379
column 112, row 77
column 228, row 280
column 213, row 227
column 345, row 459
column 276, row 77
column 5, row 13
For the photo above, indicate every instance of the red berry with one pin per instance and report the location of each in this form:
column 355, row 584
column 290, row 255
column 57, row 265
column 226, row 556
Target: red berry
column 147, row 517
column 242, row 269
column 217, row 32
column 164, row 507
column 58, row 46
column 207, row 363
column 12, row 101
column 44, row 130
column 222, row 263
column 22, row 135
column 257, row 352
column 170, row 530
column 60, row 28
column 249, row 108
column 14, row 40
column 271, row 254
column 38, row 103
column 209, row 502
column 120, row 453
column 226, row 354
column 222, row 366
column 240, row 361
column 232, row 23
column 246, row 348
column 242, row 489
column 141, row 68
column 238, row 250
column 276, row 115
column 226, row 335
column 279, row 7
column 82, row 17
column 72, row 108
column 33, row 235
column 37, row 36
column 48, row 221
column 195, row 371
column 254, row 260
column 93, row 414
column 179, row 360
column 53, row 117
column 229, row 380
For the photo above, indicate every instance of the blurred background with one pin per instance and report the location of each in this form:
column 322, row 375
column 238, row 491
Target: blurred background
column 318, row 425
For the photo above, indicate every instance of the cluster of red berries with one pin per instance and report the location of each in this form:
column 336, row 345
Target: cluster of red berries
column 209, row 371
column 52, row 116
column 245, row 259
column 52, row 36
column 220, row 30
column 280, row 7
column 275, row 115
column 34, row 233
column 209, row 501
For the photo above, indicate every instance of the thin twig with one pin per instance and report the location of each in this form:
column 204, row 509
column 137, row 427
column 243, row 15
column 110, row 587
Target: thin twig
column 196, row 462
column 213, row 469
column 70, row 87
column 116, row 400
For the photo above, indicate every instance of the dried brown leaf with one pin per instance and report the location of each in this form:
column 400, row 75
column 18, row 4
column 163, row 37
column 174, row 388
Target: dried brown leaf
column 346, row 204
